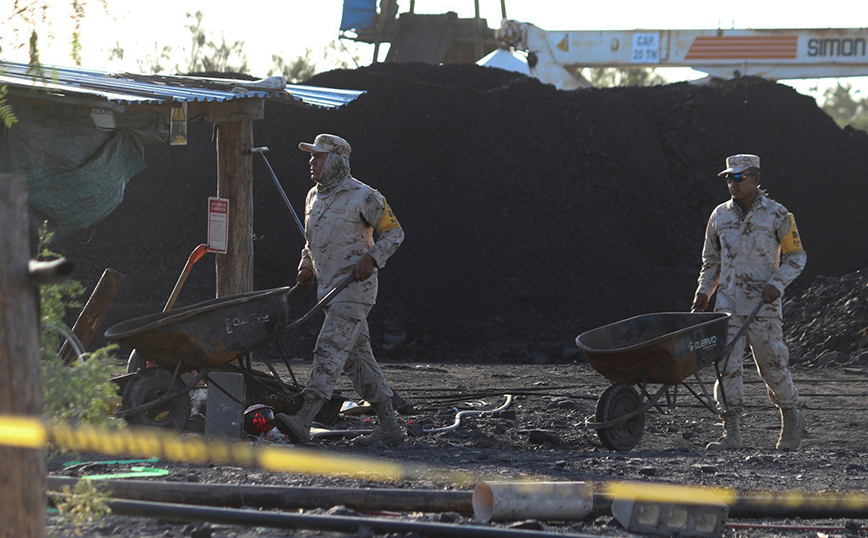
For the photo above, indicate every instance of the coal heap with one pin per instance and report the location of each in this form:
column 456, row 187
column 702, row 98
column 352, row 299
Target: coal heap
column 531, row 214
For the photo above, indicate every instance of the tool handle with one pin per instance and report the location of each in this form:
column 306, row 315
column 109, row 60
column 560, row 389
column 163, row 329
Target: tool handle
column 731, row 344
column 261, row 152
column 327, row 298
column 195, row 256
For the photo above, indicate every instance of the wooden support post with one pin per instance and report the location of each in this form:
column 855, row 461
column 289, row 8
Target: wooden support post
column 235, row 182
column 94, row 311
column 22, row 470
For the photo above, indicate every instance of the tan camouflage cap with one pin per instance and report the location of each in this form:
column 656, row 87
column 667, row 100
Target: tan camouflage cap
column 327, row 143
column 739, row 163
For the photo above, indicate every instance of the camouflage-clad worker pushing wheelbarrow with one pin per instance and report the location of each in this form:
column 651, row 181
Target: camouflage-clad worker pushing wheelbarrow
column 752, row 251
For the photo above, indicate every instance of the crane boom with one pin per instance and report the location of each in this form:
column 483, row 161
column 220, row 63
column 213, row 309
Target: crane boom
column 558, row 56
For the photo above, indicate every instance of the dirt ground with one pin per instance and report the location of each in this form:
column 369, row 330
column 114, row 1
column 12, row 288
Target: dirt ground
column 541, row 435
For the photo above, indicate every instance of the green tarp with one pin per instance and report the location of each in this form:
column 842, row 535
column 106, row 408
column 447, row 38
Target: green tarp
column 76, row 173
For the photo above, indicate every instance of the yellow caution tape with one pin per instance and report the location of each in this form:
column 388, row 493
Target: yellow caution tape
column 157, row 443
column 153, row 442
column 670, row 493
column 680, row 494
column 22, row 432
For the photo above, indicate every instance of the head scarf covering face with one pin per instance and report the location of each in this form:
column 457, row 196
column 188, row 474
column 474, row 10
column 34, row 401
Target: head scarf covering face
column 334, row 171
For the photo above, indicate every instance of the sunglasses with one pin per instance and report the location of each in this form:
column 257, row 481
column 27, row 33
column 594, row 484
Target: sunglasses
column 738, row 178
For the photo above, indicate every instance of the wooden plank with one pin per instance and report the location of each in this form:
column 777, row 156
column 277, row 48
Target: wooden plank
column 94, row 311
column 23, row 471
column 235, row 182
column 235, row 110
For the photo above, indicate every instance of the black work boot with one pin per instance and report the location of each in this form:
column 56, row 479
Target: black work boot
column 297, row 427
column 388, row 431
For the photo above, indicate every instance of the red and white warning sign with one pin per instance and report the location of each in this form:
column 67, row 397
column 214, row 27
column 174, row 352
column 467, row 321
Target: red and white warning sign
column 218, row 224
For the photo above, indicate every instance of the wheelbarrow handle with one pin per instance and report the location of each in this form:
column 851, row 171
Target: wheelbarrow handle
column 327, row 298
column 727, row 349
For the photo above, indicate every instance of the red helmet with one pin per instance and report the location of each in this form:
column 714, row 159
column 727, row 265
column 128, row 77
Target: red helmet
column 258, row 418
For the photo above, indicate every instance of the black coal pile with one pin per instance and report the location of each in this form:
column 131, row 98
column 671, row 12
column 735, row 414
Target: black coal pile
column 531, row 214
column 827, row 326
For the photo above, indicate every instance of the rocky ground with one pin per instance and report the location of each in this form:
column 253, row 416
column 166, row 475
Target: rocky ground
column 541, row 435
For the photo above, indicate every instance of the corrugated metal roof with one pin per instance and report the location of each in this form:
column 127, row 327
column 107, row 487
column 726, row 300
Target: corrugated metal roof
column 132, row 89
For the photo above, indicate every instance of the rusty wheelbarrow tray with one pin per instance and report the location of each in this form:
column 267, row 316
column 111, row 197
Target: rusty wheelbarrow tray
column 665, row 348
column 199, row 338
column 207, row 334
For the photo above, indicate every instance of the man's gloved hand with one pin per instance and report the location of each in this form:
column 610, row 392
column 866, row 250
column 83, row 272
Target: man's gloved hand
column 304, row 278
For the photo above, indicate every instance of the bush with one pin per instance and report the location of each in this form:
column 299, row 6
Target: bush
column 80, row 392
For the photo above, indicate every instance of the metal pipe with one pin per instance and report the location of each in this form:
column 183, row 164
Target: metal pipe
column 780, row 506
column 771, row 526
column 294, row 497
column 842, row 506
column 286, row 497
column 234, row 516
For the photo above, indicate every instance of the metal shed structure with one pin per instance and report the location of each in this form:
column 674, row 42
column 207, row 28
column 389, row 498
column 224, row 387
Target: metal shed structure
column 81, row 135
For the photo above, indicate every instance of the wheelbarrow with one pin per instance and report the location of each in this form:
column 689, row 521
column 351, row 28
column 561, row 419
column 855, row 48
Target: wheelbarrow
column 664, row 348
column 197, row 339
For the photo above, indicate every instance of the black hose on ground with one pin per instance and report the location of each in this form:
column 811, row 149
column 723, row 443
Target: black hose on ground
column 334, row 523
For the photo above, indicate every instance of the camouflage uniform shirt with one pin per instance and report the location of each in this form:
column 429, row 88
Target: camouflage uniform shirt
column 745, row 251
column 339, row 230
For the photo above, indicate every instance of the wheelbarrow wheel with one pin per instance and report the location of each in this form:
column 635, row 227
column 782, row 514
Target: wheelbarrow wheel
column 151, row 384
column 616, row 401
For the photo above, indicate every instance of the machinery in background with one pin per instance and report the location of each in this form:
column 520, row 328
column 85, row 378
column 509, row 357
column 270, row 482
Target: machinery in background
column 558, row 57
column 418, row 37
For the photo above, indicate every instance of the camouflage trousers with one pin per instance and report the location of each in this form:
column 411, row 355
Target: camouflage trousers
column 766, row 340
column 344, row 344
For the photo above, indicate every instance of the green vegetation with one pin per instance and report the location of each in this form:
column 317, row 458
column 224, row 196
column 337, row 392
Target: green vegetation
column 29, row 17
column 304, row 67
column 81, row 392
column 6, row 115
column 83, row 505
column 207, row 55
column 846, row 107
column 609, row 77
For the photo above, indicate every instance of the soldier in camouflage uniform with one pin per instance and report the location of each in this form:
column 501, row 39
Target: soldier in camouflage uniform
column 752, row 252
column 341, row 214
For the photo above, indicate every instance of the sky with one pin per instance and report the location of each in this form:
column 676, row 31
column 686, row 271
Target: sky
column 288, row 28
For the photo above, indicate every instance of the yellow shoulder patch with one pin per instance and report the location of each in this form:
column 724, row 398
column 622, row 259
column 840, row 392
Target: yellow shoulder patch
column 791, row 242
column 388, row 220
